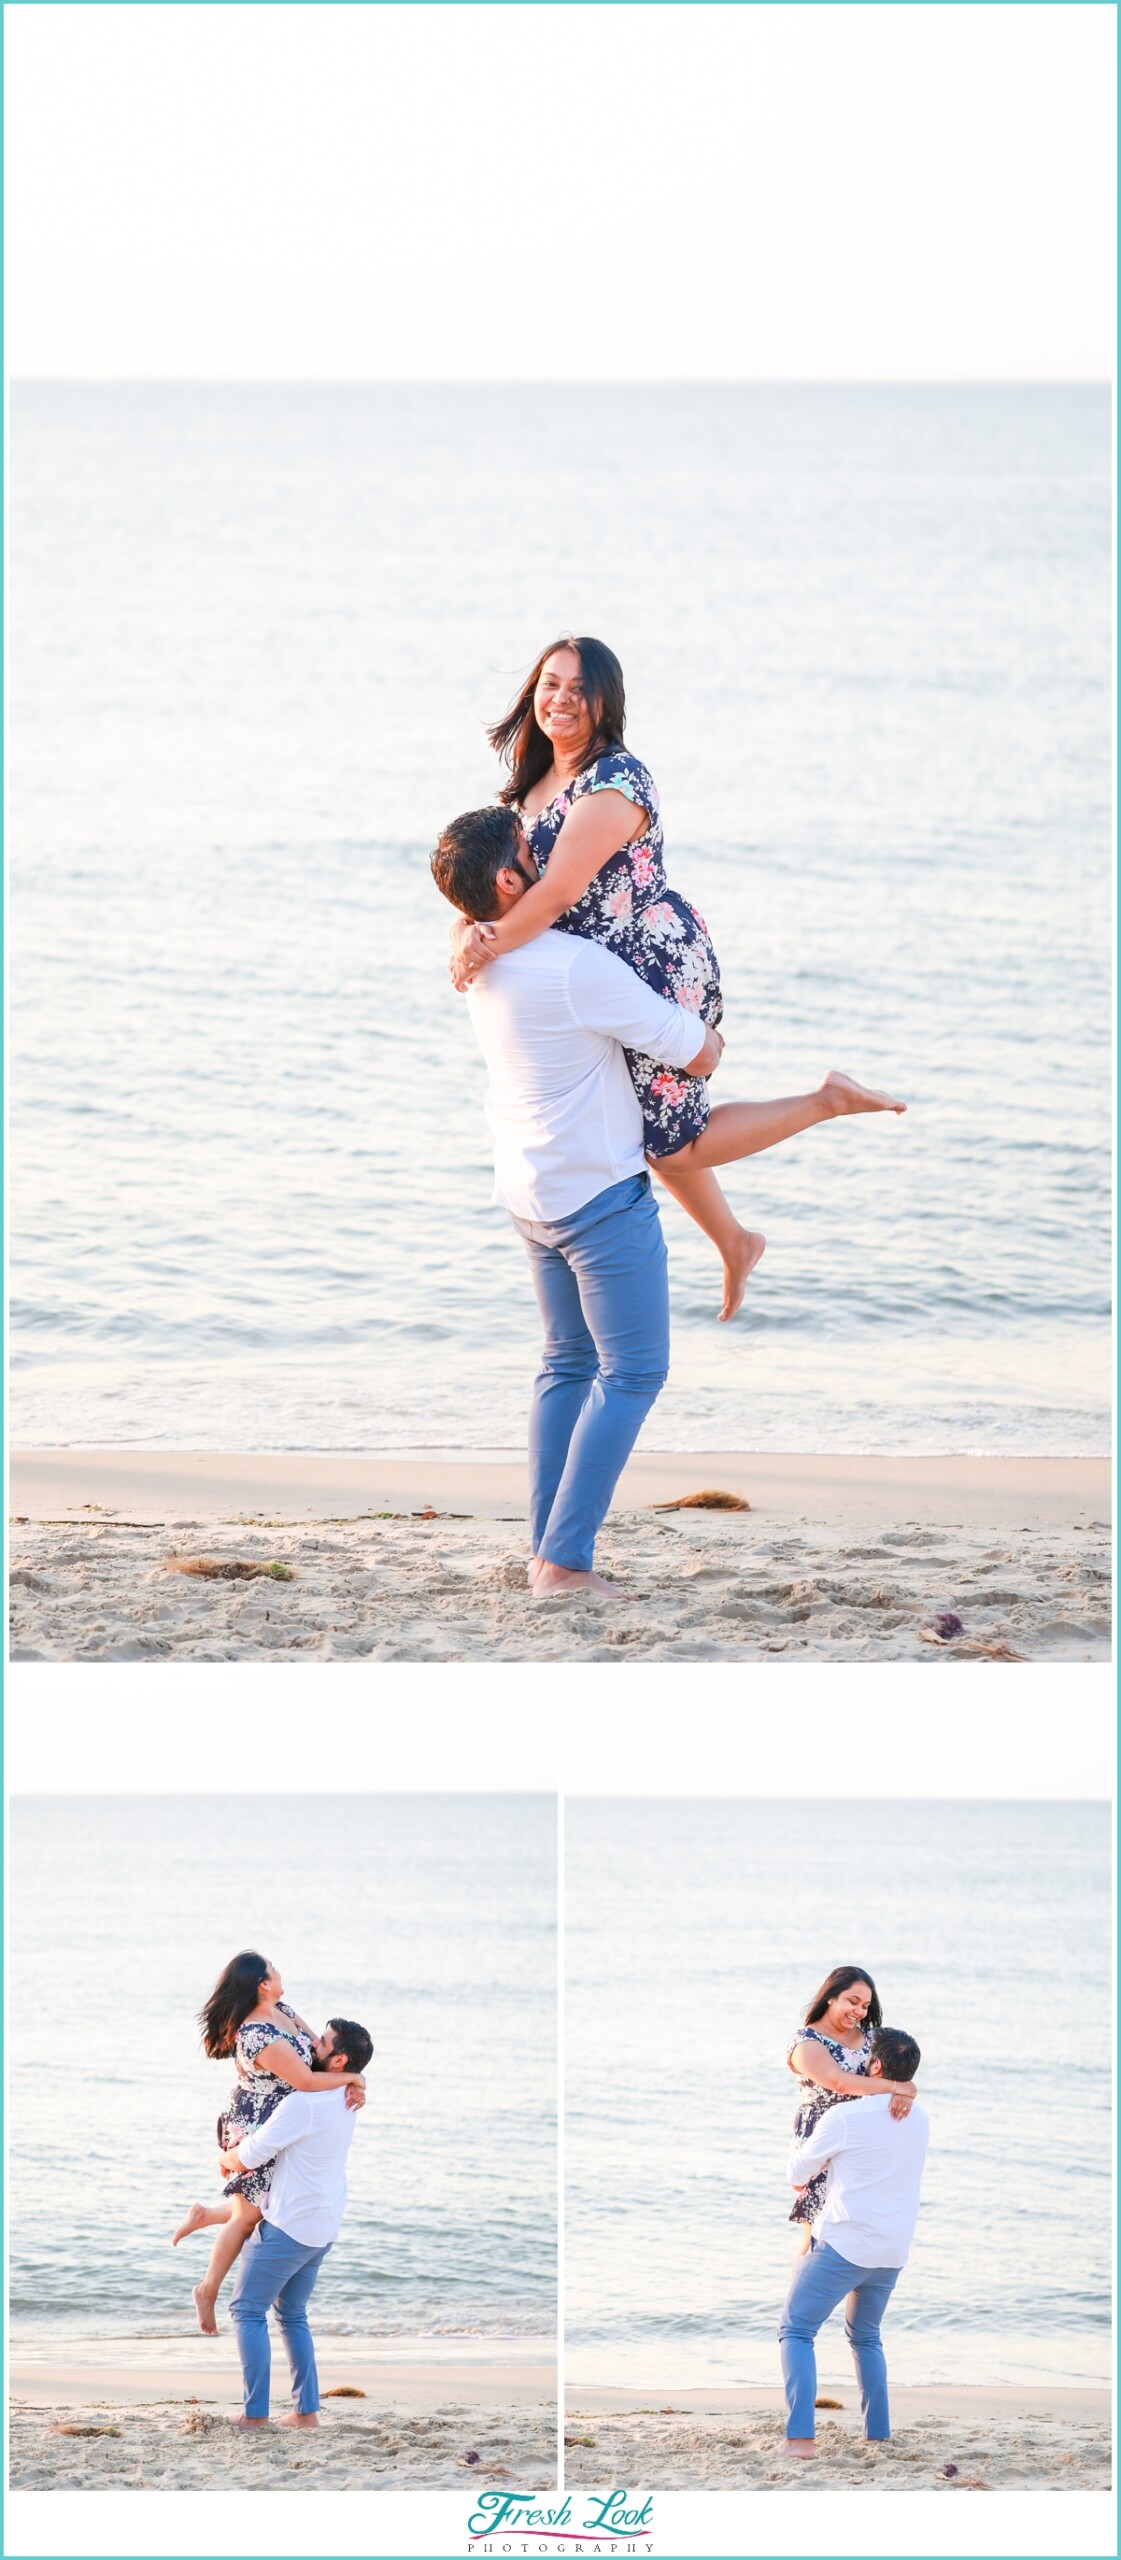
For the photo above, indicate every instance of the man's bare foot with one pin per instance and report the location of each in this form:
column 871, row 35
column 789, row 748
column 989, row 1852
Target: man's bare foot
column 800, row 2446
column 842, row 1094
column 196, row 2215
column 552, row 1579
column 739, row 1264
column 244, row 2425
column 532, row 1570
column 298, row 2419
column 204, row 2301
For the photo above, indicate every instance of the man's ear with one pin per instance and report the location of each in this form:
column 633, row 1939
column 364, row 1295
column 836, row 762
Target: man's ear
column 875, row 2069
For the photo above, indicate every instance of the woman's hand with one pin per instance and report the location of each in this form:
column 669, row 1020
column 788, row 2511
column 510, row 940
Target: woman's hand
column 356, row 2093
column 902, row 2099
column 470, row 952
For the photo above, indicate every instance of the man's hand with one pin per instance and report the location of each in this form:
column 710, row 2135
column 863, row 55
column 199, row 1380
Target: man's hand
column 710, row 1056
column 470, row 952
column 229, row 2164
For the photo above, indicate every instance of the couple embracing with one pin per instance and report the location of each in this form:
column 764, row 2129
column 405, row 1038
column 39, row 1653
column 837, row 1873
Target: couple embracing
column 594, row 993
column 283, row 2140
column 857, row 2173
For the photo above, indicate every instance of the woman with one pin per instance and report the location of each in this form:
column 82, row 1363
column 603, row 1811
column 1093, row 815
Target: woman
column 248, row 2017
column 831, row 2050
column 590, row 812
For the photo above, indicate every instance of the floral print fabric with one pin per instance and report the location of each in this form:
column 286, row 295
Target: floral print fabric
column 254, row 2096
column 631, row 910
column 815, row 2102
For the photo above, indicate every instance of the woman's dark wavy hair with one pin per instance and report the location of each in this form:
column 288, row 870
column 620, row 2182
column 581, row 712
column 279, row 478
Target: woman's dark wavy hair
column 525, row 747
column 235, row 1993
column 842, row 1979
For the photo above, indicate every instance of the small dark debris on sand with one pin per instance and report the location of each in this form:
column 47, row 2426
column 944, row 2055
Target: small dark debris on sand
column 231, row 1569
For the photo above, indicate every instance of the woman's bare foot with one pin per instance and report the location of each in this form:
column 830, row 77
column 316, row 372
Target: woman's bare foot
column 196, row 2215
column 298, row 2419
column 204, row 2301
column 800, row 2446
column 552, row 1579
column 739, row 1263
column 842, row 1094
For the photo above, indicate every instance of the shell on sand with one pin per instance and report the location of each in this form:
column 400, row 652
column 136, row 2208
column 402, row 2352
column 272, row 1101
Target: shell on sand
column 708, row 1501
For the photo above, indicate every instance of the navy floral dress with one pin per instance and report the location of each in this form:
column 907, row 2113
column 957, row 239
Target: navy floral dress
column 255, row 2095
column 629, row 908
column 815, row 2102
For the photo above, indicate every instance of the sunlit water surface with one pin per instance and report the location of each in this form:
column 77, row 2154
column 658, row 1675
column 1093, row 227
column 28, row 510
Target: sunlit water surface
column 255, row 636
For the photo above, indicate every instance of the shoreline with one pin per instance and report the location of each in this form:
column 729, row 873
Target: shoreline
column 156, row 1486
column 214, row 2381
column 909, row 2401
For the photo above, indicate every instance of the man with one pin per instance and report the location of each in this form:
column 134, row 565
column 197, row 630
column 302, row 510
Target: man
column 309, row 2138
column 861, row 2240
column 552, row 1021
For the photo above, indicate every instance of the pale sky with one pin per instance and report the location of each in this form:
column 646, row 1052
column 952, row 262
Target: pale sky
column 605, row 192
column 840, row 1730
column 239, row 1728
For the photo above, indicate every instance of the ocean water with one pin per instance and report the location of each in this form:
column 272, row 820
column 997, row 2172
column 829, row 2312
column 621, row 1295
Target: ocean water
column 256, row 633
column 696, row 1935
column 429, row 1918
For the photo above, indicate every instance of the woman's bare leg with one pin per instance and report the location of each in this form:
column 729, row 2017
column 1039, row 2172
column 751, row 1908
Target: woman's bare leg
column 698, row 1191
column 738, row 1129
column 200, row 2217
column 231, row 2241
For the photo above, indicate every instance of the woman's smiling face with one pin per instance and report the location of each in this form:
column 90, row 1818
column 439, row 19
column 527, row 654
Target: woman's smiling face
column 272, row 1987
column 848, row 2010
column 560, row 705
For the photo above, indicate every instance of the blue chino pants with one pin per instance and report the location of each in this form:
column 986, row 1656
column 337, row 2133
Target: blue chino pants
column 602, row 1286
column 822, row 2280
column 274, row 2269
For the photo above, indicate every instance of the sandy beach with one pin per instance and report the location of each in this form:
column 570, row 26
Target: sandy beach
column 423, row 1559
column 944, row 2439
column 118, row 2426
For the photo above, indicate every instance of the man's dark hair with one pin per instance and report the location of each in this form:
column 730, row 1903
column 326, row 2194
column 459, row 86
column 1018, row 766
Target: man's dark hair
column 897, row 2054
column 470, row 855
column 352, row 2041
